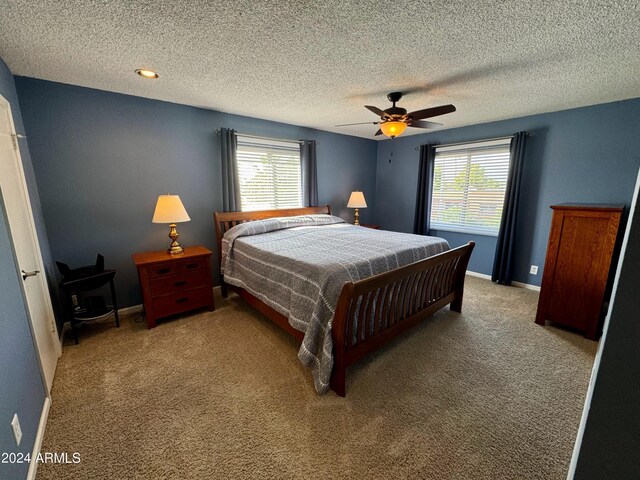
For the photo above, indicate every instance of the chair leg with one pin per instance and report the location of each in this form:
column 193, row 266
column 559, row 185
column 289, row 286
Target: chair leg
column 224, row 290
column 115, row 302
column 72, row 321
column 75, row 332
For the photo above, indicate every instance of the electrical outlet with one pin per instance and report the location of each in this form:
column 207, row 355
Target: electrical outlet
column 17, row 431
column 534, row 270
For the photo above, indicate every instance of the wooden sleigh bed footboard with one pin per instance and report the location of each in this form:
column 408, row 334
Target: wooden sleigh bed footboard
column 370, row 312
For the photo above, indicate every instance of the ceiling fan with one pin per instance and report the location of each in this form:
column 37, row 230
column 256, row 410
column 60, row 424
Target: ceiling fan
column 395, row 120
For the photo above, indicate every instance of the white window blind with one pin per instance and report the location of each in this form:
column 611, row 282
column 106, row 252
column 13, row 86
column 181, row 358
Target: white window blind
column 269, row 173
column 469, row 183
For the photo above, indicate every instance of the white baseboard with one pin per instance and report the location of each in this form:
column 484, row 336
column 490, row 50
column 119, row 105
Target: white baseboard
column 515, row 284
column 33, row 465
column 130, row 310
column 479, row 275
column 528, row 286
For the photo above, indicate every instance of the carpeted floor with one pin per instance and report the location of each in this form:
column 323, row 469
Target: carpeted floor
column 485, row 395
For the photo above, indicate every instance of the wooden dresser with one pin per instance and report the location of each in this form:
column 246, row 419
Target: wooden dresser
column 174, row 284
column 580, row 253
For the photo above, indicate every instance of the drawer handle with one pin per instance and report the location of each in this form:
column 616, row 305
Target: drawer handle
column 192, row 265
column 182, row 300
column 180, row 283
column 163, row 270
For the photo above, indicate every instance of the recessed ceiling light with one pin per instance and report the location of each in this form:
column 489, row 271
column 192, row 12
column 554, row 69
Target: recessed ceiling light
column 143, row 72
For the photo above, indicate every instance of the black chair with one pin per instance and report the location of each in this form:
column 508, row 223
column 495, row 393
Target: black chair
column 76, row 283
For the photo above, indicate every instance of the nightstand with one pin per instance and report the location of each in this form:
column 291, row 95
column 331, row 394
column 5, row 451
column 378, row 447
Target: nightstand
column 369, row 225
column 174, row 284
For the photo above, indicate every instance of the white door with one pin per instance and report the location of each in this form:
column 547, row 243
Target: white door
column 23, row 234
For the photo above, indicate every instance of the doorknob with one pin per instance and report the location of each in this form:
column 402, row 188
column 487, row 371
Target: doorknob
column 26, row 275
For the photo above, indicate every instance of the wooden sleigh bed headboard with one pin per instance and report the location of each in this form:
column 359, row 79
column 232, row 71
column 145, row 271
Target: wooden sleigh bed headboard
column 373, row 311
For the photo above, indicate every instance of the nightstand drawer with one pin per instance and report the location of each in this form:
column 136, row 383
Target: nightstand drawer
column 164, row 270
column 177, row 283
column 192, row 265
column 168, row 269
column 183, row 301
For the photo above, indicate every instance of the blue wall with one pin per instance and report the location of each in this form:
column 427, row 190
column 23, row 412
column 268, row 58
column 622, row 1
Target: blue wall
column 101, row 159
column 589, row 154
column 21, row 387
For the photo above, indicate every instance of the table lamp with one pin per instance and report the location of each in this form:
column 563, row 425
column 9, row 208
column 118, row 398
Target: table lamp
column 356, row 200
column 170, row 209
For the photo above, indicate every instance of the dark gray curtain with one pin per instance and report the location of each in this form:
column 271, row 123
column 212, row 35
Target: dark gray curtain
column 425, row 189
column 309, row 172
column 505, row 247
column 230, row 180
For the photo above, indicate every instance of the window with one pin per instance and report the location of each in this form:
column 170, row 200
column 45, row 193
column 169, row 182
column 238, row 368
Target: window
column 269, row 173
column 469, row 183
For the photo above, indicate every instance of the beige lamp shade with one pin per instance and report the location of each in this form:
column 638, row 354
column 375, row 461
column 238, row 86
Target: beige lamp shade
column 170, row 209
column 356, row 200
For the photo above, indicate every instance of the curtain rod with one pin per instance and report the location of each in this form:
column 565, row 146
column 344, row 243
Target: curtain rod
column 217, row 131
column 529, row 134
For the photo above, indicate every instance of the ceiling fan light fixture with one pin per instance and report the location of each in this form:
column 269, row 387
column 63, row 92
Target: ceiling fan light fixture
column 393, row 128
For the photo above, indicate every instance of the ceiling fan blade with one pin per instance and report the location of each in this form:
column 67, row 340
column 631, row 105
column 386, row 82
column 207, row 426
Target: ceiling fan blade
column 432, row 112
column 375, row 110
column 425, row 124
column 379, row 132
column 361, row 123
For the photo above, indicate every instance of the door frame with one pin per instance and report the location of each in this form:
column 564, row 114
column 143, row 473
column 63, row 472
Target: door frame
column 42, row 279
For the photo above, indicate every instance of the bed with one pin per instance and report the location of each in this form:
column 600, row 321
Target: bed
column 342, row 290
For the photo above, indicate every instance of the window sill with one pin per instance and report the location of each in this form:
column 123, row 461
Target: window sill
column 467, row 231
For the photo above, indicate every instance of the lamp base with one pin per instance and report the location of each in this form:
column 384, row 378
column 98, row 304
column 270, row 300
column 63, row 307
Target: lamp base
column 175, row 248
column 357, row 222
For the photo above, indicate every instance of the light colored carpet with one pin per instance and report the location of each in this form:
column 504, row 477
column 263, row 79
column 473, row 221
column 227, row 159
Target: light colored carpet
column 485, row 395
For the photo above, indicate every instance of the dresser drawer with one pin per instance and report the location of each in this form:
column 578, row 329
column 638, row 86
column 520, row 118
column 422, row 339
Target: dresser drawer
column 182, row 301
column 178, row 283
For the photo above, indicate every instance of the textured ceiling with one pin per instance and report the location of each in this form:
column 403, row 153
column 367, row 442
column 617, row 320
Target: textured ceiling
column 316, row 63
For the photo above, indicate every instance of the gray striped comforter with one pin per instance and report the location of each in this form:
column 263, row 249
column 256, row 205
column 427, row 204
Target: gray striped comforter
column 298, row 266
